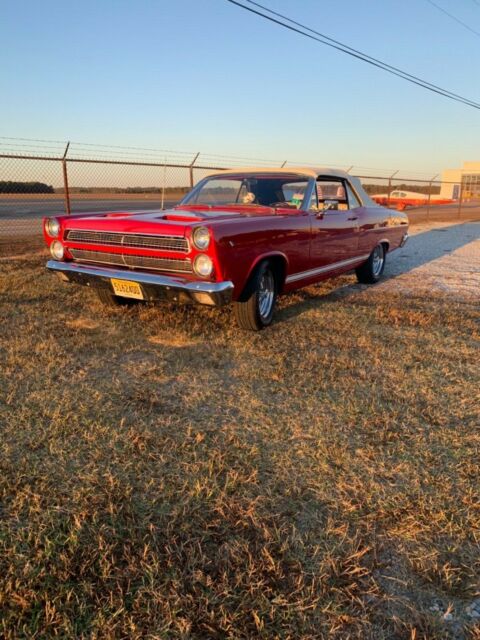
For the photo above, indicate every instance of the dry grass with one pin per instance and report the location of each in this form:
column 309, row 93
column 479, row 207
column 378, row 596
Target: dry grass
column 20, row 245
column 163, row 475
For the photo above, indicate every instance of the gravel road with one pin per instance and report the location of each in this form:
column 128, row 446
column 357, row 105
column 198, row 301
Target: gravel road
column 439, row 259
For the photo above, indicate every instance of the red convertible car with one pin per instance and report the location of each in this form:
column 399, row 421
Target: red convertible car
column 242, row 236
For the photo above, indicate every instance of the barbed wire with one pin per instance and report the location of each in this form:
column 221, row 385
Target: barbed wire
column 78, row 150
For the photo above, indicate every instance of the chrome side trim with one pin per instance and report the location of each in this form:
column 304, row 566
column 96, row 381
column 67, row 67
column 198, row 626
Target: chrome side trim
column 157, row 287
column 329, row 267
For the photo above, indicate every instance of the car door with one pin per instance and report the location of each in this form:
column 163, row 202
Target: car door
column 334, row 239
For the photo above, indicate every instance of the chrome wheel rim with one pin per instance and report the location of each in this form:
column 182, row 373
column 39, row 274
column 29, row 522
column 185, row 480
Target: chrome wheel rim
column 378, row 260
column 266, row 294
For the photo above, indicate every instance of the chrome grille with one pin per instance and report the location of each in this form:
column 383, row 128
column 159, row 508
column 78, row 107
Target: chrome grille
column 134, row 262
column 133, row 240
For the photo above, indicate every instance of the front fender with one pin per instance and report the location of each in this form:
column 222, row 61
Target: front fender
column 245, row 287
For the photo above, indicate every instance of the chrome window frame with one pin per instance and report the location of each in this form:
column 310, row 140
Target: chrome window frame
column 301, row 176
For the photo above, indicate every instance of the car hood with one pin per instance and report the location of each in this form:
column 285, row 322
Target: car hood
column 169, row 221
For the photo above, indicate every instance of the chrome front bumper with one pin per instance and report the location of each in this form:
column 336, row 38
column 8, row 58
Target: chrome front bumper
column 154, row 287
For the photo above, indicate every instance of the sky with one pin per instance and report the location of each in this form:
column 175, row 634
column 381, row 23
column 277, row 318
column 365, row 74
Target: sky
column 205, row 75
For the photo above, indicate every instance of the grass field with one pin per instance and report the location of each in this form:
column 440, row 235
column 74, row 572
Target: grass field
column 163, row 475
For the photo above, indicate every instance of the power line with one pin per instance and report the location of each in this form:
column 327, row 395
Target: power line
column 335, row 44
column 450, row 15
column 356, row 53
column 384, row 64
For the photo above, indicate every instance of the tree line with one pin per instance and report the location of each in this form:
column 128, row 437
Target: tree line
column 11, row 186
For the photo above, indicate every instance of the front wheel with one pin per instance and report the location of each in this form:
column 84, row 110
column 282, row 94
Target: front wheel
column 371, row 270
column 109, row 299
column 256, row 312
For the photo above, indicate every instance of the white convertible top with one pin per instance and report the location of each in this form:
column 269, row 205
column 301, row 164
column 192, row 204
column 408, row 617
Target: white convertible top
column 310, row 172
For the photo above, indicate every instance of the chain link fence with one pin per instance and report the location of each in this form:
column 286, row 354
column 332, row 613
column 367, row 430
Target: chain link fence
column 423, row 199
column 66, row 178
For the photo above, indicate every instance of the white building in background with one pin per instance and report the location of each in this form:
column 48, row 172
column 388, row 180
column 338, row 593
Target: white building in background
column 466, row 180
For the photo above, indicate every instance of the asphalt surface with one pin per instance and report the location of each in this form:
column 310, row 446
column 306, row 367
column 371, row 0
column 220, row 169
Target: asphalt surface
column 22, row 216
column 17, row 209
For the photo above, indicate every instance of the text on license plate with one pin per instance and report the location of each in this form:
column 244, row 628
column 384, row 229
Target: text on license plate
column 127, row 289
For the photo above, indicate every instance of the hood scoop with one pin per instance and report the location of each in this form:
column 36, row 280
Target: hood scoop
column 119, row 214
column 113, row 214
column 181, row 217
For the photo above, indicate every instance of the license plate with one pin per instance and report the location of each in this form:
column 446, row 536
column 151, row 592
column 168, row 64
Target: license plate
column 127, row 289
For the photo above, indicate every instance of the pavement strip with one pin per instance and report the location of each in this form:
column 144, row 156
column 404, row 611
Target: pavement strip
column 440, row 259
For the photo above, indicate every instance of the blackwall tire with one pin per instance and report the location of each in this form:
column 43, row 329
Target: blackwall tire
column 256, row 312
column 371, row 271
column 108, row 299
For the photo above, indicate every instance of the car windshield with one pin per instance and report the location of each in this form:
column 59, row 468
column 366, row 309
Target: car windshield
column 270, row 190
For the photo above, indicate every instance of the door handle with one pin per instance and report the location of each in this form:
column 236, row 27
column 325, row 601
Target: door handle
column 353, row 218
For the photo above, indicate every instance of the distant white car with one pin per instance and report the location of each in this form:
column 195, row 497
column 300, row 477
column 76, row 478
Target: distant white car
column 403, row 199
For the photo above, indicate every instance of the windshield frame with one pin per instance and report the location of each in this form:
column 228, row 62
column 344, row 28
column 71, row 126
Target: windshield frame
column 187, row 199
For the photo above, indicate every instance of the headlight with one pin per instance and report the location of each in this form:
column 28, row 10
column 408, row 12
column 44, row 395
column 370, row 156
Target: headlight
column 56, row 249
column 201, row 238
column 203, row 265
column 52, row 227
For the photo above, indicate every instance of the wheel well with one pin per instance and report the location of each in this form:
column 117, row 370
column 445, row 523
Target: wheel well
column 386, row 245
column 279, row 266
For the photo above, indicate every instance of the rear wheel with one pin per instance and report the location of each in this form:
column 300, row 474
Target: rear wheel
column 256, row 312
column 371, row 270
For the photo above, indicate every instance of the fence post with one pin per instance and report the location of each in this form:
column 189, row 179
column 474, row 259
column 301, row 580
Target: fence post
column 163, row 186
column 430, row 195
column 65, row 181
column 190, row 167
column 390, row 186
column 460, row 198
